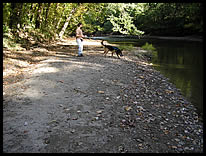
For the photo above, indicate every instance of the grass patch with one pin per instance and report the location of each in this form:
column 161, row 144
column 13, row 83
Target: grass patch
column 128, row 47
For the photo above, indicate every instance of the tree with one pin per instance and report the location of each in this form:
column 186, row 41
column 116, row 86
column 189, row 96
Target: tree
column 171, row 18
column 58, row 19
column 15, row 15
column 122, row 19
column 73, row 9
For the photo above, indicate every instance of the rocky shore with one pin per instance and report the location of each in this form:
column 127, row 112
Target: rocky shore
column 97, row 104
column 158, row 116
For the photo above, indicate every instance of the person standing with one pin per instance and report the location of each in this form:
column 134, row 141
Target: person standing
column 79, row 39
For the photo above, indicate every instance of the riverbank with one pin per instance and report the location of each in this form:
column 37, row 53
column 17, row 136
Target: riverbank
column 64, row 103
column 185, row 38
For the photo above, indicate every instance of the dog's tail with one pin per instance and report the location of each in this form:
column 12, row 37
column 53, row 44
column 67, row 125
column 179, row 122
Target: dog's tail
column 102, row 43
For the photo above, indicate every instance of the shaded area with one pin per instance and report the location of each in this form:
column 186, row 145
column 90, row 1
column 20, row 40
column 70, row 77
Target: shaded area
column 182, row 62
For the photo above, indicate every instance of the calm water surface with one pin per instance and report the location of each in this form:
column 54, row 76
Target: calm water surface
column 179, row 60
column 182, row 63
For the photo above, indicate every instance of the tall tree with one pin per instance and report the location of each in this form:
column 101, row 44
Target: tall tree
column 47, row 11
column 57, row 19
column 38, row 16
column 122, row 19
column 15, row 15
column 73, row 9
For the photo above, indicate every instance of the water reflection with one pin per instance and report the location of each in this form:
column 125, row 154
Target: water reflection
column 182, row 62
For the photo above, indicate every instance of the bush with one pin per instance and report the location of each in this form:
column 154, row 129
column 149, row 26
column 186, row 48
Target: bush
column 5, row 29
column 148, row 47
column 128, row 47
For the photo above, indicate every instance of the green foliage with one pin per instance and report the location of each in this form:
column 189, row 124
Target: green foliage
column 6, row 29
column 148, row 47
column 107, row 27
column 122, row 20
column 9, row 41
column 49, row 19
column 128, row 47
column 151, row 51
column 170, row 18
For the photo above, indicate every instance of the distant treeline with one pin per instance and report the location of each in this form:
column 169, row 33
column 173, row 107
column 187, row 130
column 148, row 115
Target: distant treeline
column 58, row 19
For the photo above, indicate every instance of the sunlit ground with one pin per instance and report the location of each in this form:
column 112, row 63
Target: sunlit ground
column 72, row 41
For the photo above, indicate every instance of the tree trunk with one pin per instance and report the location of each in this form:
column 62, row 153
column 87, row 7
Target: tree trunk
column 12, row 16
column 59, row 21
column 15, row 17
column 66, row 23
column 38, row 17
column 31, row 16
column 47, row 11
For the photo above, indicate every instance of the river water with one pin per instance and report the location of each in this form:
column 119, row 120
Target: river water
column 179, row 59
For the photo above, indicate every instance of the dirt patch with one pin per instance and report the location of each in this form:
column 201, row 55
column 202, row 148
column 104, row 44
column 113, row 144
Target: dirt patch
column 93, row 104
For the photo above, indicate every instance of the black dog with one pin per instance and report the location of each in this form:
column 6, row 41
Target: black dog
column 113, row 49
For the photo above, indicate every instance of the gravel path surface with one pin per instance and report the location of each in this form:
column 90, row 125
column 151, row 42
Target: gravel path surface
column 97, row 104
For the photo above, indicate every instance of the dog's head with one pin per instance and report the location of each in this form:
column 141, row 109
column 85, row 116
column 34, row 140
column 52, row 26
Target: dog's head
column 120, row 52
